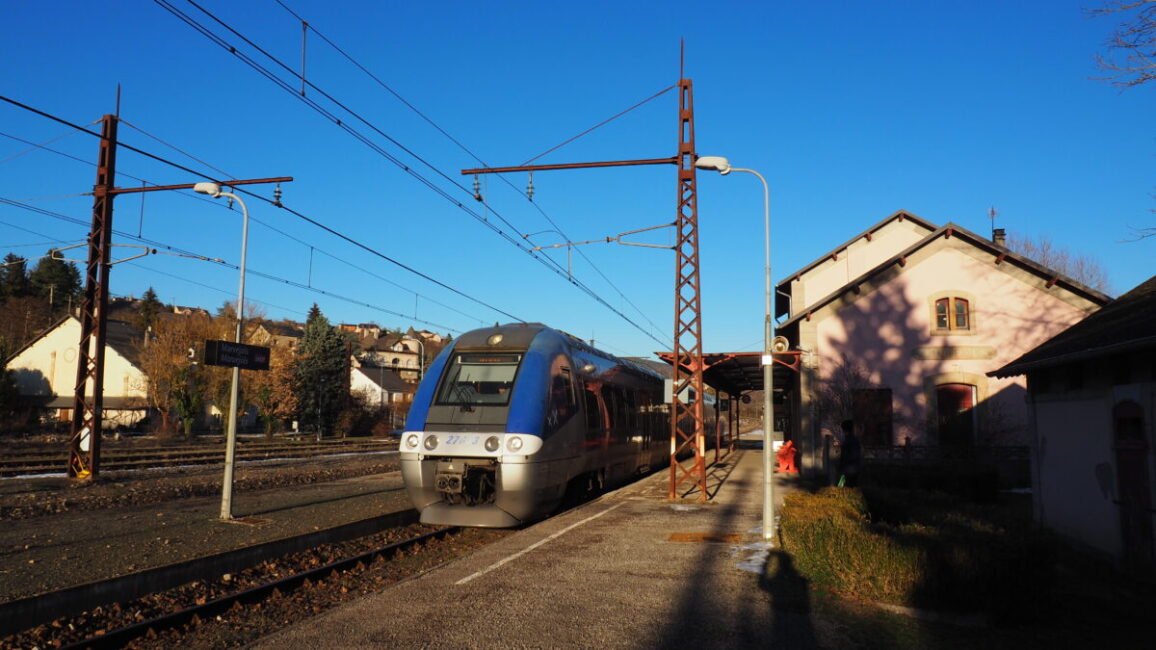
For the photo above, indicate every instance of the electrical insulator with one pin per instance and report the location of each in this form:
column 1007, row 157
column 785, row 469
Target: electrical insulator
column 477, row 188
column 530, row 187
column 277, row 195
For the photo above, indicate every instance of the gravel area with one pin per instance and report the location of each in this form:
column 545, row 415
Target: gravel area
column 244, row 624
column 55, row 534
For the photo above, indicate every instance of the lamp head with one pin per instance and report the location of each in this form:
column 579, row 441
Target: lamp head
column 212, row 189
column 717, row 163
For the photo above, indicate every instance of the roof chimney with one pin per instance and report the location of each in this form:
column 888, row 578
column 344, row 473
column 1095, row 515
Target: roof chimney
column 999, row 236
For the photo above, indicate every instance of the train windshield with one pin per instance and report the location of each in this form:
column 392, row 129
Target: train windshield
column 479, row 379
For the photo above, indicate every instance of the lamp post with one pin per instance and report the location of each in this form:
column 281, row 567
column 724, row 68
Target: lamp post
column 723, row 166
column 420, row 359
column 214, row 190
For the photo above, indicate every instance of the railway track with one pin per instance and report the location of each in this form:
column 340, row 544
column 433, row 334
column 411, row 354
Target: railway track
column 33, row 461
column 220, row 600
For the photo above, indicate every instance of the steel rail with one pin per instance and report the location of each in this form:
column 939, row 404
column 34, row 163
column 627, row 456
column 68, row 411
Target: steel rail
column 26, row 613
column 21, row 467
column 120, row 637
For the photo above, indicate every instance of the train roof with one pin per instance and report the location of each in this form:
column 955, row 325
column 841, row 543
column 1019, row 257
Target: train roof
column 520, row 335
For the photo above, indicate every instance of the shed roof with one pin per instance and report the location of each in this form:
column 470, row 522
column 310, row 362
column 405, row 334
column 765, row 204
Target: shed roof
column 736, row 373
column 1126, row 324
column 386, row 379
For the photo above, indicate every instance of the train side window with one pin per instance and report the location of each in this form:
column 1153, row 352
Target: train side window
column 562, row 404
column 645, row 418
column 593, row 416
column 608, row 397
column 629, row 408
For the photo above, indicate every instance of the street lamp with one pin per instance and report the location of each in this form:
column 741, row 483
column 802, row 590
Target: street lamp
column 723, row 166
column 214, row 190
column 421, row 359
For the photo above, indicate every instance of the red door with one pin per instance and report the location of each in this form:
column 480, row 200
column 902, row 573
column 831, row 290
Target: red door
column 955, row 405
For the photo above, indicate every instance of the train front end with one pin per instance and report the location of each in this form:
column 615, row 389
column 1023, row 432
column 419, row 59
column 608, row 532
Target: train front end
column 478, row 449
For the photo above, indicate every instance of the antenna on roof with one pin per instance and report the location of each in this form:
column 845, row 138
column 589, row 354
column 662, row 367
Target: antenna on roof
column 998, row 235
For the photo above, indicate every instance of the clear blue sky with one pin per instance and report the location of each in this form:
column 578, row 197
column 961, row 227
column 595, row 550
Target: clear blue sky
column 852, row 110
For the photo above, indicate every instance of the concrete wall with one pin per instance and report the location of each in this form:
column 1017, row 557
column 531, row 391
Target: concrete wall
column 1076, row 473
column 856, row 259
column 1076, row 481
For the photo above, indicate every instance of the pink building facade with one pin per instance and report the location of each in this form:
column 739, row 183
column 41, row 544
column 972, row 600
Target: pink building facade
column 898, row 328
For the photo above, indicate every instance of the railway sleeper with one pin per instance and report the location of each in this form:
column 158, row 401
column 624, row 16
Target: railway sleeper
column 467, row 481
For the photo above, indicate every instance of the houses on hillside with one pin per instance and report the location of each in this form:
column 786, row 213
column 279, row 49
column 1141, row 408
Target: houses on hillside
column 899, row 326
column 384, row 369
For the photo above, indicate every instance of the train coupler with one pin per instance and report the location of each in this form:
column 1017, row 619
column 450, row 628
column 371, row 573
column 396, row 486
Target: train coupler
column 467, row 481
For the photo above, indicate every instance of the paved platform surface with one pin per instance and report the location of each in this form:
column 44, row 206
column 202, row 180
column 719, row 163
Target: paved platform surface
column 629, row 570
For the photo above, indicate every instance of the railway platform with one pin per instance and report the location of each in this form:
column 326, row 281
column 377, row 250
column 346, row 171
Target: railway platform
column 631, row 569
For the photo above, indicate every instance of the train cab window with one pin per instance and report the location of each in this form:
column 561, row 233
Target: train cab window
column 479, row 380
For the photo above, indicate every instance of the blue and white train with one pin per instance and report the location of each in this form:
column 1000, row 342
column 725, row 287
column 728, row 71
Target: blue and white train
column 510, row 419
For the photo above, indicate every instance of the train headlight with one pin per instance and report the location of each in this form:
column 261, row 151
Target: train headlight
column 514, row 443
column 431, row 442
column 411, row 441
column 492, row 443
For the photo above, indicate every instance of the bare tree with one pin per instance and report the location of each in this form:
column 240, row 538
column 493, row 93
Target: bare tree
column 1082, row 268
column 834, row 393
column 1134, row 40
column 177, row 385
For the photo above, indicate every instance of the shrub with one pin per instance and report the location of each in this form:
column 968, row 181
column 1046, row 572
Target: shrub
column 917, row 549
column 976, row 483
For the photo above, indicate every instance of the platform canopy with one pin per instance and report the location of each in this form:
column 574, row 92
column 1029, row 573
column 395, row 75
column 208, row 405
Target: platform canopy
column 738, row 373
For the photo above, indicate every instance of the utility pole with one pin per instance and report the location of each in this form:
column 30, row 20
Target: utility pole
column 87, row 407
column 84, row 441
column 687, row 366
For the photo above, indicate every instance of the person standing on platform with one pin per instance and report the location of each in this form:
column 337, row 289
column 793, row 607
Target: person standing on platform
column 850, row 457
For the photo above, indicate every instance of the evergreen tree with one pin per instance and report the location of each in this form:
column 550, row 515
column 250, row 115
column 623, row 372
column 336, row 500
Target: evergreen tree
column 321, row 373
column 149, row 309
column 56, row 280
column 14, row 277
column 9, row 393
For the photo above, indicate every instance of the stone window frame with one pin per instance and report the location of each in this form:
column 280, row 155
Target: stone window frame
column 951, row 296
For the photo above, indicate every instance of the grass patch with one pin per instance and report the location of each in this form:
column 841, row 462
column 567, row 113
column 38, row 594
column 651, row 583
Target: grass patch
column 919, row 549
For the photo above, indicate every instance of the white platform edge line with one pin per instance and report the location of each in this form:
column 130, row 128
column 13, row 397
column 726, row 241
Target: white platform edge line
column 533, row 546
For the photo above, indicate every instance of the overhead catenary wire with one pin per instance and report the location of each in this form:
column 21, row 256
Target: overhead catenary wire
column 298, row 240
column 143, row 268
column 220, row 262
column 265, row 224
column 34, row 145
column 271, row 202
column 310, row 26
column 292, row 90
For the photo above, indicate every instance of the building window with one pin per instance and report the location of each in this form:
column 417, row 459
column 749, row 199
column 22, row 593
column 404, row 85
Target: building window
column 952, row 313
